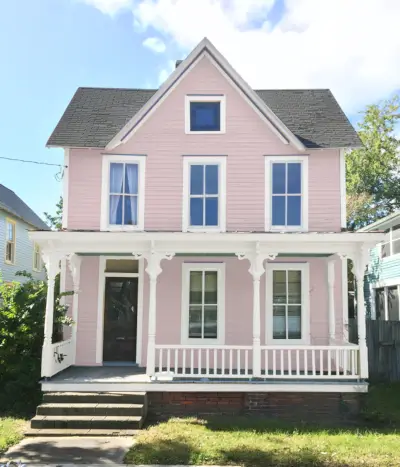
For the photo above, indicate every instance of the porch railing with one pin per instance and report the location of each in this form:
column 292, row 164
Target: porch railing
column 285, row 361
column 58, row 358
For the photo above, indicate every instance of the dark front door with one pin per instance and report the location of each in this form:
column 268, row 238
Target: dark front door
column 120, row 319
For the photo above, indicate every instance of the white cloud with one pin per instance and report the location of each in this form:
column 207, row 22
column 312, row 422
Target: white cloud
column 155, row 44
column 349, row 46
column 109, row 7
column 165, row 72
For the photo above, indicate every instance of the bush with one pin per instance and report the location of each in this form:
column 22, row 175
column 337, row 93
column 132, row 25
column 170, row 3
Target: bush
column 22, row 311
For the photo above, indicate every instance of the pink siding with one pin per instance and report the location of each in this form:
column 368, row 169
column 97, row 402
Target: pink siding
column 246, row 141
column 238, row 304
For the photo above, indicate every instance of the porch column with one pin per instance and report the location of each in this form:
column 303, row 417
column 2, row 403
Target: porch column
column 74, row 262
column 52, row 262
column 360, row 262
column 256, row 270
column 153, row 269
column 331, row 299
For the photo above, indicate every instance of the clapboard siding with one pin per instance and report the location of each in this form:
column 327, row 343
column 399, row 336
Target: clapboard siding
column 24, row 251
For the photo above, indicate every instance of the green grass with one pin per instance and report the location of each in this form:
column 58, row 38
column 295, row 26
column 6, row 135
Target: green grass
column 10, row 431
column 259, row 443
column 383, row 404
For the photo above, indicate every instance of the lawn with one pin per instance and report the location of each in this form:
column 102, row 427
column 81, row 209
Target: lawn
column 10, row 431
column 258, row 442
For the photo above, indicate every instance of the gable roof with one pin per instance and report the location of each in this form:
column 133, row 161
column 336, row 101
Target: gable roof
column 14, row 205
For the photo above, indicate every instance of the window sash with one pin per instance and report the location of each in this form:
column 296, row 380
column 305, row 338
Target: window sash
column 36, row 258
column 204, row 196
column 214, row 108
column 10, row 242
column 124, row 199
column 391, row 246
column 285, row 195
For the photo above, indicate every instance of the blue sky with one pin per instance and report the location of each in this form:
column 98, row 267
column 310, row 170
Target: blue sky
column 50, row 47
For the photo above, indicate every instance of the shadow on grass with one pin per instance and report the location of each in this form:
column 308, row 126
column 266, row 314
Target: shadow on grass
column 167, row 452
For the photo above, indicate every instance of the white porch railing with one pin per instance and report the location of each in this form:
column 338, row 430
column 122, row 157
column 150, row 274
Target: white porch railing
column 285, row 361
column 185, row 361
column 59, row 358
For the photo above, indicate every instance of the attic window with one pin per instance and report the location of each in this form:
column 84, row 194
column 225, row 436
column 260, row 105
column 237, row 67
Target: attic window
column 205, row 114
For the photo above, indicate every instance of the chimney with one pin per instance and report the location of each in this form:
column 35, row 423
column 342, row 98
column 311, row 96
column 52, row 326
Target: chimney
column 177, row 63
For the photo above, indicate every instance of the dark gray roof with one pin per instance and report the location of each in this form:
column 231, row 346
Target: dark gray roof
column 95, row 115
column 14, row 205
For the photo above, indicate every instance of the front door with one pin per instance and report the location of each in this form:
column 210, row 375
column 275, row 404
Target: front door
column 120, row 319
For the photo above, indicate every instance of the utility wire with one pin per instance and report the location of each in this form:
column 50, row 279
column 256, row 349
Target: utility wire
column 33, row 162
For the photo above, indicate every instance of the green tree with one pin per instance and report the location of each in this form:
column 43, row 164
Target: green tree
column 55, row 222
column 372, row 172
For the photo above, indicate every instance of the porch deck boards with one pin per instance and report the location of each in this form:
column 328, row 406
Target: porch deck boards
column 130, row 374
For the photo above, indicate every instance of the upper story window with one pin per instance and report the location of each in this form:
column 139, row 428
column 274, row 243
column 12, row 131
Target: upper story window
column 286, row 193
column 204, row 193
column 123, row 193
column 10, row 241
column 205, row 114
column 391, row 245
column 37, row 260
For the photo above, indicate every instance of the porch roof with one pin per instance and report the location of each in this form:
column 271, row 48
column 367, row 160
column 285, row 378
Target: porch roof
column 346, row 243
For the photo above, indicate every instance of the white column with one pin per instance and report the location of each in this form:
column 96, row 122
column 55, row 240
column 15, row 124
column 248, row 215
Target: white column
column 153, row 269
column 360, row 262
column 331, row 299
column 74, row 262
column 52, row 262
column 256, row 270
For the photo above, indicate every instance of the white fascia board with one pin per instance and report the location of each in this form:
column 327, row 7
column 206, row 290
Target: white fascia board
column 205, row 46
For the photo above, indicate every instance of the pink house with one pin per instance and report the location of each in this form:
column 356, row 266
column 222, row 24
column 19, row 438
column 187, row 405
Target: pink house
column 204, row 235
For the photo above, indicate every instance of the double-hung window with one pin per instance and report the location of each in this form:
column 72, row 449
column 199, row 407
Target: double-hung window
column 204, row 114
column 391, row 245
column 203, row 303
column 204, row 193
column 37, row 260
column 10, row 242
column 123, row 193
column 287, row 302
column 286, row 193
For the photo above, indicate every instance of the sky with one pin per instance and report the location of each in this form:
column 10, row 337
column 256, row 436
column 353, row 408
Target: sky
column 50, row 47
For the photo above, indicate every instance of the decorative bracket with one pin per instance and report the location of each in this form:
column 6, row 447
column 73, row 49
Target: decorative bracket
column 256, row 259
column 74, row 263
column 52, row 259
column 153, row 258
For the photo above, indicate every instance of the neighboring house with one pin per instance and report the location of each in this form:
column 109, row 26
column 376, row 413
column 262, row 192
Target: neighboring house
column 383, row 275
column 17, row 251
column 204, row 232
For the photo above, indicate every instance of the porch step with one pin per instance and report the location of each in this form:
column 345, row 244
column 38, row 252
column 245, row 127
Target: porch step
column 89, row 414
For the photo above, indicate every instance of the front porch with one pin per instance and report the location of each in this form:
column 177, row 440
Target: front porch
column 246, row 352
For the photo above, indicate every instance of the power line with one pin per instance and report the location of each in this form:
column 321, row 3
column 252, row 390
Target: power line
column 33, row 162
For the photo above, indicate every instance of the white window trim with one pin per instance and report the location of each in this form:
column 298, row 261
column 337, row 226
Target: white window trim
column 206, row 160
column 186, row 269
column 14, row 256
column 269, row 160
column 210, row 98
column 305, row 297
column 390, row 240
column 124, row 159
column 39, row 268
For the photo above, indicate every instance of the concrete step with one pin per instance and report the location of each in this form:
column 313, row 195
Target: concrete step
column 78, row 432
column 95, row 397
column 87, row 422
column 90, row 409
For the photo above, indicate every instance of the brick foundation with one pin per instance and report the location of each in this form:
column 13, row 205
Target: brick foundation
column 293, row 407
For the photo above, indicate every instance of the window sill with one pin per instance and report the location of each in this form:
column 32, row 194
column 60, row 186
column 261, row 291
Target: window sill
column 219, row 132
column 391, row 258
column 9, row 263
column 122, row 228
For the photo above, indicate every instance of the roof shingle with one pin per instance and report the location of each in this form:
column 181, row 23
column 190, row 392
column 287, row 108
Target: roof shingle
column 95, row 115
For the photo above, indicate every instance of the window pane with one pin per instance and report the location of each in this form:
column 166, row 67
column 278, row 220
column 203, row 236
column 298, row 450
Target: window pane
column 210, row 322
column 211, row 179
column 294, row 210
column 385, row 250
column 130, row 210
column 211, row 287
column 279, row 286
column 10, row 231
column 278, row 210
column 196, row 179
column 294, row 322
column 116, row 177
column 396, row 246
column 205, row 116
column 393, row 304
column 279, row 322
column 212, row 211
column 380, row 304
column 116, row 209
column 195, row 322
column 278, row 178
column 196, row 211
column 196, row 287
column 294, row 178
column 122, row 265
column 131, row 178
column 9, row 252
column 294, row 286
